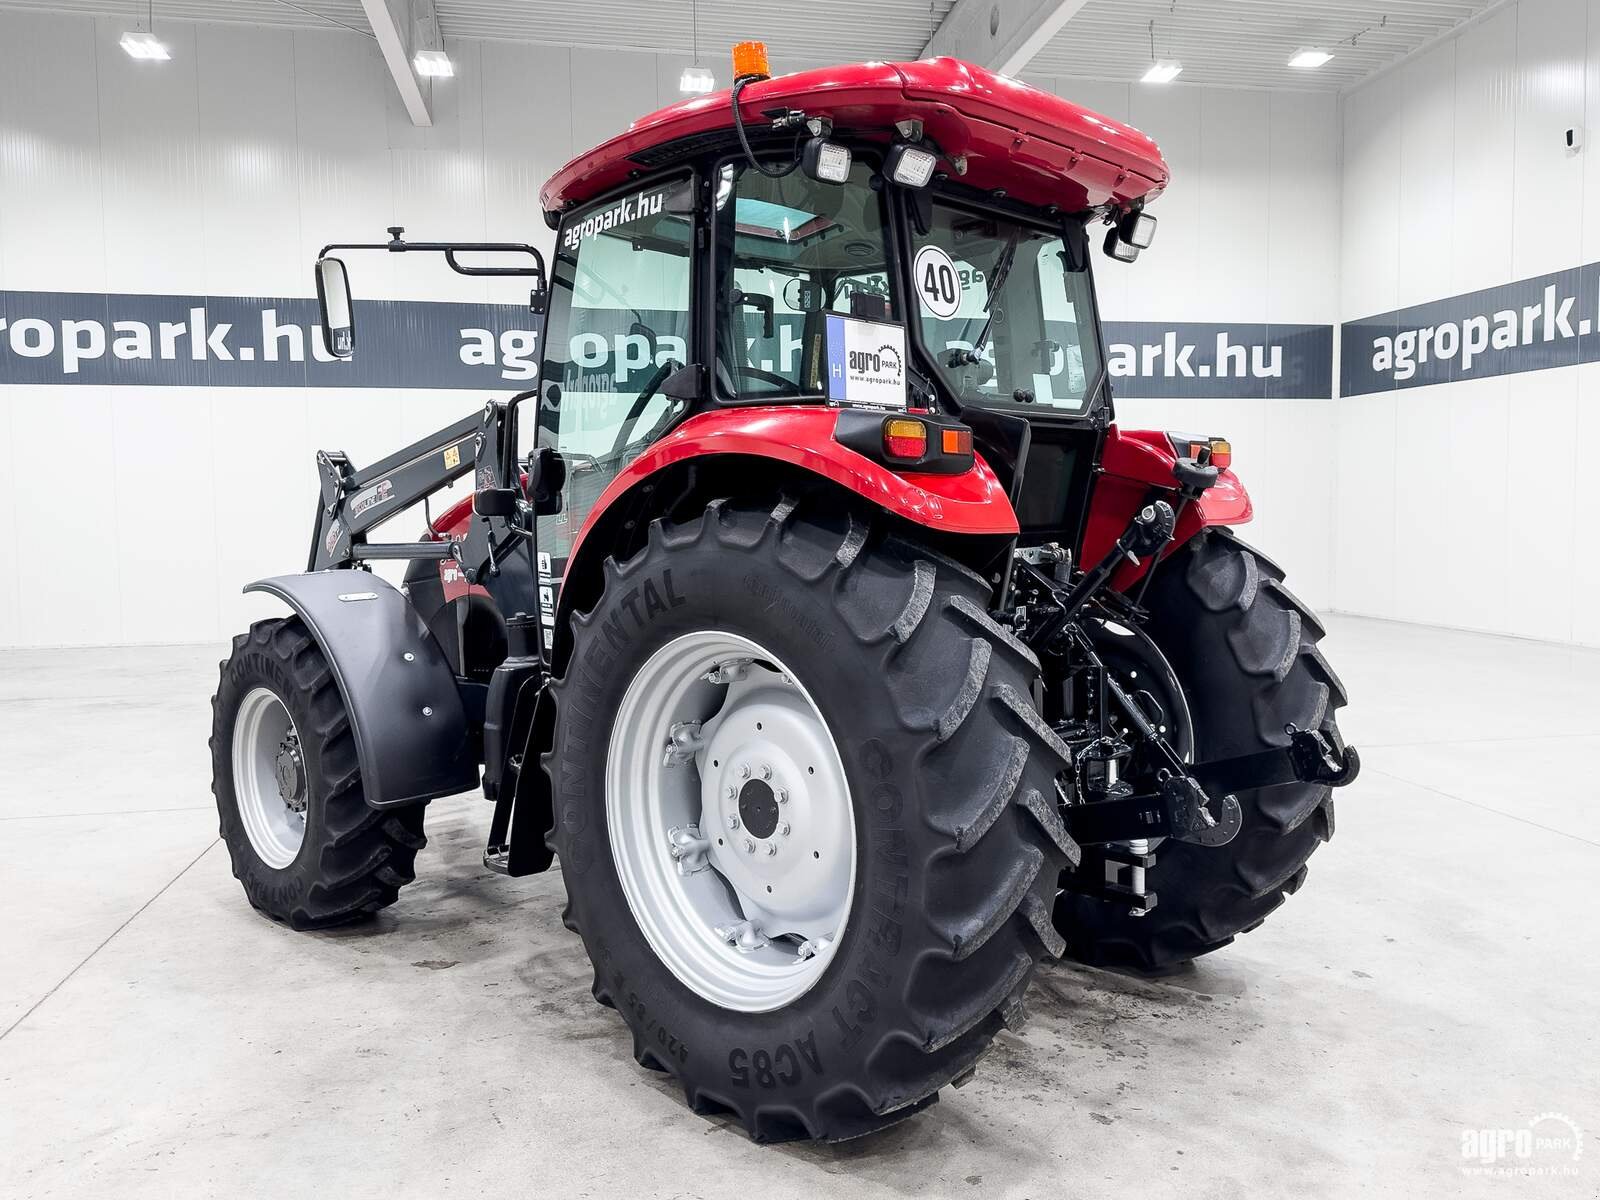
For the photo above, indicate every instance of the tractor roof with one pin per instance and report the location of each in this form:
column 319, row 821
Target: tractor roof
column 1039, row 148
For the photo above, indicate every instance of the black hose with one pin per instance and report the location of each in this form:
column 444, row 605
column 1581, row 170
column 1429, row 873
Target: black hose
column 744, row 142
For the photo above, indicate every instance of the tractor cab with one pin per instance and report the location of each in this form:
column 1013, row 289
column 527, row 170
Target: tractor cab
column 905, row 238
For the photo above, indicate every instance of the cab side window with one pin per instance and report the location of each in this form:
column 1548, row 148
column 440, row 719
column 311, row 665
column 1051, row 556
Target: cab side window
column 618, row 326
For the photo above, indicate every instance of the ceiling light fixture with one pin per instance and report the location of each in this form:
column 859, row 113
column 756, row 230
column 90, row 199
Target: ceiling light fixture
column 142, row 45
column 433, row 64
column 696, row 80
column 1162, row 70
column 145, row 47
column 1308, row 58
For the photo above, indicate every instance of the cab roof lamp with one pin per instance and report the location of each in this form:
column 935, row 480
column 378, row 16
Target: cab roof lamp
column 1163, row 71
column 144, row 47
column 825, row 161
column 433, row 64
column 1309, row 58
column 910, row 166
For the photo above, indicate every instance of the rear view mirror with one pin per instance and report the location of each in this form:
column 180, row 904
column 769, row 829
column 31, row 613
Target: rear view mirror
column 338, row 312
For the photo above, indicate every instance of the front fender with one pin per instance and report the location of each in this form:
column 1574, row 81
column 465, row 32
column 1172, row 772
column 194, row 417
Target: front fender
column 1132, row 463
column 405, row 713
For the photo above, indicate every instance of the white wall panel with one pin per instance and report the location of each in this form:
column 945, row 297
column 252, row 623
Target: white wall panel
column 1370, row 212
column 1547, row 193
column 1586, row 539
column 1541, row 475
column 72, row 597
column 1457, row 179
column 1302, row 211
column 10, row 536
column 1485, row 153
column 1233, row 130
column 50, row 162
column 154, row 216
column 1427, row 174
column 609, row 89
column 248, row 161
column 163, row 481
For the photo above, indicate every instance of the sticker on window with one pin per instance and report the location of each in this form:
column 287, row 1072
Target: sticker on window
column 866, row 363
column 938, row 282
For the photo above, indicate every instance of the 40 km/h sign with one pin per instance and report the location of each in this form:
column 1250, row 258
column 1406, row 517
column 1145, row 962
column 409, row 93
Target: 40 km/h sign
column 938, row 283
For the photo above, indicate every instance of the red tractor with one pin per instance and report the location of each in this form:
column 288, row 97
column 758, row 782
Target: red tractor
column 823, row 624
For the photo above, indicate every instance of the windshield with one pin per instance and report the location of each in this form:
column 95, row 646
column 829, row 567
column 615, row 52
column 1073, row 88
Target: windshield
column 1001, row 315
column 790, row 251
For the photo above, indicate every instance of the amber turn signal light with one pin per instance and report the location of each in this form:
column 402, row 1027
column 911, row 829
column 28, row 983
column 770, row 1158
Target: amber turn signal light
column 955, row 441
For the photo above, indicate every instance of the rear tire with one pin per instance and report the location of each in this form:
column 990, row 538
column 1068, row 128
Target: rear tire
column 1245, row 650
column 324, row 857
column 950, row 776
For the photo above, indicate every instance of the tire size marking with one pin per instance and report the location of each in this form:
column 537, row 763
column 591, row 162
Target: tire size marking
column 653, row 1030
column 768, row 1068
column 637, row 1012
column 888, row 901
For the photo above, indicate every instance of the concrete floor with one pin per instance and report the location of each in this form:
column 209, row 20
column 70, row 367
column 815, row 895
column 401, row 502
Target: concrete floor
column 1437, row 973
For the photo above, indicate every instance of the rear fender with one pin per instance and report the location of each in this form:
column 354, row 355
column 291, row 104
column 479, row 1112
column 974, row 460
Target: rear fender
column 406, row 714
column 1134, row 462
column 772, row 445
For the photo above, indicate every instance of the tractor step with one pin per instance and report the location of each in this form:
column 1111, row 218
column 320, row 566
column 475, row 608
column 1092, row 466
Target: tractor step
column 498, row 859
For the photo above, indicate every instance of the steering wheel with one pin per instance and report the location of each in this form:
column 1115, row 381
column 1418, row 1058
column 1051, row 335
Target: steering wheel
column 641, row 402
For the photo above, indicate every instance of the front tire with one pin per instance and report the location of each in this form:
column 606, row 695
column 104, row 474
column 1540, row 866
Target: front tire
column 1245, row 650
column 949, row 782
column 304, row 844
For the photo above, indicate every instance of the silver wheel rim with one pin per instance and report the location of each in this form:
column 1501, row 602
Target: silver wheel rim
column 731, row 823
column 269, row 778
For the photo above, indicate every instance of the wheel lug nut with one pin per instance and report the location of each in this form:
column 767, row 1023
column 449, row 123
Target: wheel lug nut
column 766, row 771
column 730, row 791
column 749, row 846
column 772, row 848
column 733, row 820
column 783, row 795
column 784, row 829
column 744, row 770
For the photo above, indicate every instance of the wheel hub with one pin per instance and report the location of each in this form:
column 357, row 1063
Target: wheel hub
column 758, row 809
column 289, row 768
column 730, row 821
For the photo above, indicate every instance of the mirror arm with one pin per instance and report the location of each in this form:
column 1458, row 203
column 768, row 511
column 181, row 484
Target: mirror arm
column 398, row 245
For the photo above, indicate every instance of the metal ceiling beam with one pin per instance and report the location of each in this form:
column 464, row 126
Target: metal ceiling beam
column 1002, row 35
column 403, row 27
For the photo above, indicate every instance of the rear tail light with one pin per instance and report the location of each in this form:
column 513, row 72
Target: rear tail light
column 912, row 444
column 1215, row 451
column 905, row 437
